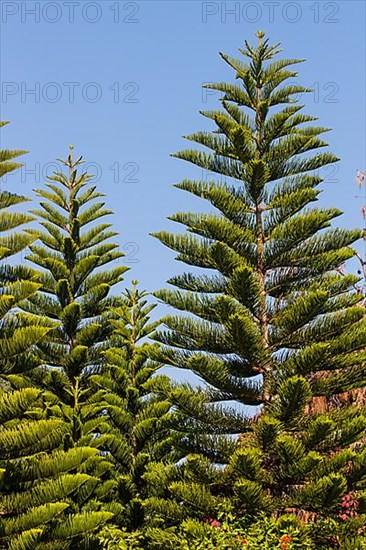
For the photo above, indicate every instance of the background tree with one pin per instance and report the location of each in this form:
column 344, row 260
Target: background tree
column 312, row 465
column 137, row 430
column 17, row 281
column 72, row 253
column 75, row 291
column 36, row 479
column 270, row 312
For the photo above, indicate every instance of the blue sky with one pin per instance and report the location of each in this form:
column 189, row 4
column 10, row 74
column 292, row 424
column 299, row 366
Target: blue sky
column 121, row 81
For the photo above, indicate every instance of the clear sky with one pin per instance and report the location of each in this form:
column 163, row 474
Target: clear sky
column 121, row 81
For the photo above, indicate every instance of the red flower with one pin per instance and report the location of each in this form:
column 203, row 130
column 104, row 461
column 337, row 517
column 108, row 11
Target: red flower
column 284, row 545
column 244, row 541
column 286, row 538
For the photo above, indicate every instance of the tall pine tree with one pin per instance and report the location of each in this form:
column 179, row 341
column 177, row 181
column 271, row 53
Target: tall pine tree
column 273, row 322
column 76, row 260
column 36, row 479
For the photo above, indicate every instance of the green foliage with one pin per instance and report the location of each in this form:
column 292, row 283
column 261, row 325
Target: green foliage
column 37, row 480
column 18, row 333
column 74, row 290
column 112, row 538
column 228, row 532
column 137, row 430
column 309, row 465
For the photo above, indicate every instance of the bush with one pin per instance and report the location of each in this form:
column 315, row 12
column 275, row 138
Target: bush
column 231, row 532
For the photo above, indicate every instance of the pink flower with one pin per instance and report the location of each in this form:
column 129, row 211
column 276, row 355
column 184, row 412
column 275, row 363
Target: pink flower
column 350, row 506
column 215, row 523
